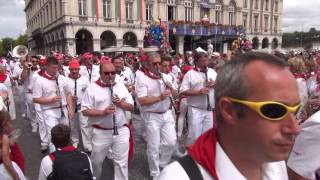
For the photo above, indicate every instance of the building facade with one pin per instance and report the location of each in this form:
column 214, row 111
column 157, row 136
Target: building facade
column 77, row 26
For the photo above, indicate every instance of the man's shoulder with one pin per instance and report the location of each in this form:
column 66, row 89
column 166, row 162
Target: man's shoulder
column 174, row 171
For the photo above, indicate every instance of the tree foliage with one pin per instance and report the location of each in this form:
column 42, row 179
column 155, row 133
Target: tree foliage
column 7, row 43
column 300, row 39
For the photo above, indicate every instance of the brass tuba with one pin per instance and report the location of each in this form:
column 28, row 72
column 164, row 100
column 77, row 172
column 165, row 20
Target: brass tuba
column 20, row 51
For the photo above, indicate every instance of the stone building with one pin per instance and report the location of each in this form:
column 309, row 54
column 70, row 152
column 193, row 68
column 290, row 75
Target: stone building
column 77, row 26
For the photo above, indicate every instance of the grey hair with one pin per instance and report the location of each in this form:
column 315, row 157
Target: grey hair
column 152, row 55
column 231, row 80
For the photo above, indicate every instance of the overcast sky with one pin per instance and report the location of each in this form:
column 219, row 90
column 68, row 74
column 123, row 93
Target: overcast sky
column 297, row 14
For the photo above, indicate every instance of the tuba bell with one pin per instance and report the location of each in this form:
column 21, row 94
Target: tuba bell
column 20, row 51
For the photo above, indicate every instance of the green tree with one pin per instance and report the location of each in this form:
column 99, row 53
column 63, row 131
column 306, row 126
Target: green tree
column 1, row 49
column 7, row 44
column 22, row 40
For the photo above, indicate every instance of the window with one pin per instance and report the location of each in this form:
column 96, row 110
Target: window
column 245, row 20
column 129, row 10
column 256, row 23
column 149, row 12
column 245, row 3
column 188, row 11
column 107, row 9
column 55, row 10
column 267, row 5
column 204, row 12
column 276, row 6
column 276, row 24
column 82, row 8
column 231, row 15
column 171, row 10
column 47, row 9
column 218, row 14
column 256, row 4
column 51, row 12
column 266, row 23
column 61, row 7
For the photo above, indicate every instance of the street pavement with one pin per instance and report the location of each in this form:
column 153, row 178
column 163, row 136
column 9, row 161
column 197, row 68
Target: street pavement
column 30, row 145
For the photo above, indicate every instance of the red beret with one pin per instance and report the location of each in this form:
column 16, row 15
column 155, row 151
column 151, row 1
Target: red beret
column 74, row 63
column 87, row 55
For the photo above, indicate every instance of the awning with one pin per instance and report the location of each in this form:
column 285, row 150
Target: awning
column 205, row 5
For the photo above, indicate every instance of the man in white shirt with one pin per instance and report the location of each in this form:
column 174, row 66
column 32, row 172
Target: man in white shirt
column 304, row 159
column 88, row 69
column 154, row 97
column 105, row 103
column 125, row 73
column 198, row 85
column 256, row 124
column 54, row 97
column 78, row 85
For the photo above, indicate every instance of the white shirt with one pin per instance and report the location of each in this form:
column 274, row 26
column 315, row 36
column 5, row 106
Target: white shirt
column 196, row 80
column 170, row 78
column 82, row 84
column 97, row 97
column 127, row 76
column 304, row 158
column 32, row 86
column 48, row 88
column 4, row 174
column 146, row 86
column 46, row 167
column 225, row 170
column 84, row 71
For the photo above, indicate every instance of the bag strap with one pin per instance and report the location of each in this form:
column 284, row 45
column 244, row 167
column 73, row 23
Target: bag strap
column 190, row 167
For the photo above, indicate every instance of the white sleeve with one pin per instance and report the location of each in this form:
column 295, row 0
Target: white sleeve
column 141, row 88
column 185, row 85
column 45, row 168
column 88, row 99
column 173, row 171
column 128, row 96
column 304, row 158
column 37, row 92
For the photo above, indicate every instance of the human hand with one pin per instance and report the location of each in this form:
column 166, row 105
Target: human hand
column 110, row 109
column 204, row 91
column 55, row 99
column 210, row 83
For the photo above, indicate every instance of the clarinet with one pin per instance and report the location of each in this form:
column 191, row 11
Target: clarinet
column 115, row 127
column 75, row 94
column 59, row 94
column 208, row 98
column 171, row 99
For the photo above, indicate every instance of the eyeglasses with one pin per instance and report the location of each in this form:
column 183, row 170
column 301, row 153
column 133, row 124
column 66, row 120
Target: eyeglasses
column 270, row 110
column 109, row 73
column 156, row 63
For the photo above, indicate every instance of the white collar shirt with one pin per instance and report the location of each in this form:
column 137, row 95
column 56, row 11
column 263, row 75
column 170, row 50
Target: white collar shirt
column 82, row 84
column 97, row 97
column 196, row 80
column 92, row 74
column 127, row 76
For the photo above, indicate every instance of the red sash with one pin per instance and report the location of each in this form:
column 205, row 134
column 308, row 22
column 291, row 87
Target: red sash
column 150, row 74
column 47, row 76
column 3, row 77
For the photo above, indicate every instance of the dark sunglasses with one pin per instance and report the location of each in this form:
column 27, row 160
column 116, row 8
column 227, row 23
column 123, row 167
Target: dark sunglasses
column 109, row 73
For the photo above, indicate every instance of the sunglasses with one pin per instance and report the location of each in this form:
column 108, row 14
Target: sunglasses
column 109, row 73
column 270, row 110
column 156, row 63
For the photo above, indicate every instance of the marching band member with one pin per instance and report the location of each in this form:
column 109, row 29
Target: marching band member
column 78, row 84
column 88, row 69
column 197, row 85
column 54, row 96
column 124, row 73
column 16, row 76
column 5, row 79
column 105, row 103
column 154, row 98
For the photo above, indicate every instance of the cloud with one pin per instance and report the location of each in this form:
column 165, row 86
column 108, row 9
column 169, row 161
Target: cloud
column 12, row 21
column 299, row 14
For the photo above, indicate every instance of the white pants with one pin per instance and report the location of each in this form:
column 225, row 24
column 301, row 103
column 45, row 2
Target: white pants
column 42, row 128
column 86, row 132
column 182, row 116
column 161, row 140
column 51, row 118
column 31, row 112
column 22, row 98
column 199, row 121
column 116, row 148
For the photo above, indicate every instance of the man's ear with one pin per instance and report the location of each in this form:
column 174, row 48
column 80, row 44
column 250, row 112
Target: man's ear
column 228, row 113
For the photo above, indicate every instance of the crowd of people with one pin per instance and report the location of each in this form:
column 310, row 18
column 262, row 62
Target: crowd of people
column 239, row 115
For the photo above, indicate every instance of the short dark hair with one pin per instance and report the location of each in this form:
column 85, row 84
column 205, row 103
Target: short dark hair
column 52, row 60
column 60, row 135
column 35, row 57
column 199, row 55
column 166, row 59
column 116, row 57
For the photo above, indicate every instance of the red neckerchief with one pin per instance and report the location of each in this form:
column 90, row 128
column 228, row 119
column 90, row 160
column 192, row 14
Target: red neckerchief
column 47, row 76
column 101, row 84
column 150, row 74
column 41, row 72
column 65, row 149
column 3, row 77
column 73, row 77
column 203, row 151
column 199, row 70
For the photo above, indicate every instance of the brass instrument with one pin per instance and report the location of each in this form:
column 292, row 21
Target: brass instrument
column 20, row 51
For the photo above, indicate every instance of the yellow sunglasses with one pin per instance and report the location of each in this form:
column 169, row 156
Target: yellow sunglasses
column 270, row 110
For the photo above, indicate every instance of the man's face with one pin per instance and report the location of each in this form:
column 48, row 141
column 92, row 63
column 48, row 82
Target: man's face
column 155, row 64
column 118, row 64
column 52, row 69
column 34, row 62
column 74, row 72
column 165, row 67
column 88, row 62
column 107, row 73
column 266, row 140
column 203, row 62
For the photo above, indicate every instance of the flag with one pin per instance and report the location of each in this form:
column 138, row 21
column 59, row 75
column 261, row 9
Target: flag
column 95, row 9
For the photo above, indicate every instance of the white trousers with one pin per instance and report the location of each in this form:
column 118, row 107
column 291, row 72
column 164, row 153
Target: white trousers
column 51, row 118
column 199, row 121
column 42, row 128
column 21, row 96
column 116, row 148
column 86, row 132
column 161, row 140
column 182, row 116
column 31, row 112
